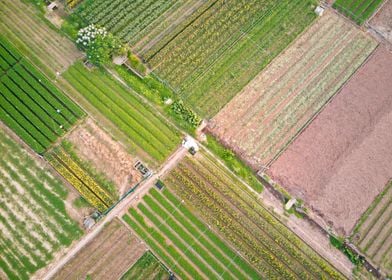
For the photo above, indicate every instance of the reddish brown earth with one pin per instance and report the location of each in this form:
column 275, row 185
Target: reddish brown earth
column 342, row 161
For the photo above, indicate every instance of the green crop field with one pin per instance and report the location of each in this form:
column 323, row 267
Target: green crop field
column 373, row 233
column 206, row 50
column 145, row 129
column 34, row 223
column 147, row 267
column 357, row 10
column 183, row 242
column 235, row 212
column 31, row 105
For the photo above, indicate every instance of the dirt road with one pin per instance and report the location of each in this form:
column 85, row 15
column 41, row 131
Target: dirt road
column 117, row 211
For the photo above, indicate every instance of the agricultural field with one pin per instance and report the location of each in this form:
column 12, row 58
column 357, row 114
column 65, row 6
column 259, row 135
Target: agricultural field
column 261, row 121
column 206, row 50
column 108, row 256
column 188, row 246
column 382, row 21
column 235, row 212
column 44, row 46
column 358, row 10
column 129, row 20
column 147, row 267
column 100, row 152
column 343, row 159
column 373, row 232
column 63, row 160
column 146, row 132
column 31, row 105
column 34, row 220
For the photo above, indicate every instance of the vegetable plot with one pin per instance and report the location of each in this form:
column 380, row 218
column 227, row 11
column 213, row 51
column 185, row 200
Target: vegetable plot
column 146, row 130
column 80, row 179
column 373, row 233
column 236, row 213
column 263, row 119
column 188, row 246
column 31, row 105
column 357, row 10
column 34, row 222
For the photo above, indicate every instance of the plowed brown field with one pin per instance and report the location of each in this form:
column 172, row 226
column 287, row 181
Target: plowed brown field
column 342, row 161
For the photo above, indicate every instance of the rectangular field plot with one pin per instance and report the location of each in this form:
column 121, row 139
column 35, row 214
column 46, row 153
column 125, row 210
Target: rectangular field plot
column 147, row 267
column 262, row 120
column 206, row 50
column 188, row 246
column 21, row 24
column 77, row 176
column 34, row 223
column 31, row 105
column 236, row 213
column 343, row 159
column 107, row 256
column 146, row 132
column 373, row 233
column 358, row 10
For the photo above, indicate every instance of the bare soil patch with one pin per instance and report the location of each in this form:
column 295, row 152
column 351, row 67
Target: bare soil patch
column 107, row 156
column 382, row 21
column 342, row 161
column 108, row 256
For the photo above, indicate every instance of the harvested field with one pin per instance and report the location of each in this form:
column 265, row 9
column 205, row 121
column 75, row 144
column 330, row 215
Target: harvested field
column 107, row 256
column 147, row 267
column 382, row 21
column 373, row 232
column 235, row 213
column 21, row 24
column 34, row 223
column 262, row 120
column 343, row 159
column 109, row 157
column 358, row 10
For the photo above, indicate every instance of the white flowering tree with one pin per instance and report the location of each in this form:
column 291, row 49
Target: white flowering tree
column 99, row 44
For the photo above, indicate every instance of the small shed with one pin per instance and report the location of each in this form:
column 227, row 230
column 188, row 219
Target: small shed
column 290, row 204
column 319, row 11
column 52, row 6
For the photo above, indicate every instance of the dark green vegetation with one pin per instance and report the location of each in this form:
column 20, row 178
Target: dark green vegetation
column 31, row 105
column 147, row 267
column 143, row 127
column 188, row 246
column 234, row 163
column 357, row 10
column 238, row 215
column 157, row 92
column 373, row 232
column 34, row 222
column 339, row 244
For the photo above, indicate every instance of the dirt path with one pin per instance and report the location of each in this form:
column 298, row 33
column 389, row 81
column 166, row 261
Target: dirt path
column 117, row 211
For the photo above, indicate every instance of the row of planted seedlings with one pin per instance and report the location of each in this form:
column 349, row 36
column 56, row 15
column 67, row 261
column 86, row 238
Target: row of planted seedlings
column 247, row 202
column 80, row 179
column 287, row 253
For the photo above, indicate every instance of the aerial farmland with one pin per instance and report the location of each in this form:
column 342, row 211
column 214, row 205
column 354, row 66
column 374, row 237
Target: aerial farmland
column 195, row 139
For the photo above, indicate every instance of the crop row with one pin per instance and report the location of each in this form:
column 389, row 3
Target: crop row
column 30, row 105
column 195, row 238
column 34, row 218
column 145, row 128
column 359, row 10
column 250, row 227
column 78, row 178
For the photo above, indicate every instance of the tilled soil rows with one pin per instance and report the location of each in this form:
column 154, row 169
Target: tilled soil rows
column 343, row 159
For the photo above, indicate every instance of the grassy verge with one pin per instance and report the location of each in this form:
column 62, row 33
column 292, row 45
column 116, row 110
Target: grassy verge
column 234, row 163
column 147, row 267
